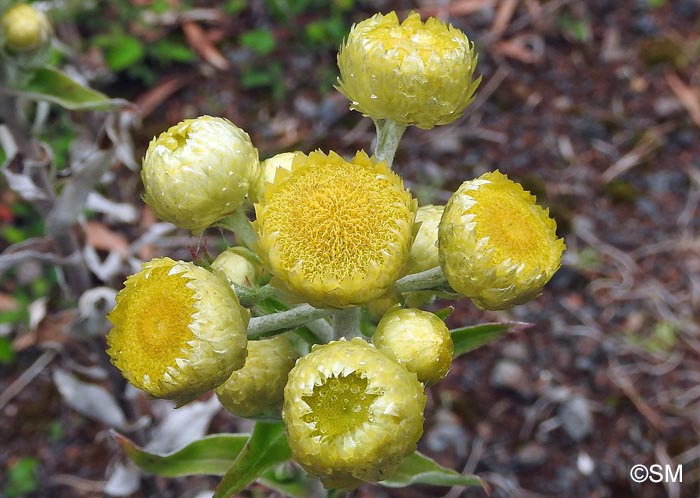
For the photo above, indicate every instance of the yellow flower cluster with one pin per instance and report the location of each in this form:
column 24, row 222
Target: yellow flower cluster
column 337, row 234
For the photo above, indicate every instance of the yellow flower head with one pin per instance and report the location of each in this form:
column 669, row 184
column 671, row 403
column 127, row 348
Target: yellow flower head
column 178, row 330
column 199, row 171
column 418, row 340
column 496, row 245
column 351, row 413
column 335, row 233
column 238, row 265
column 257, row 389
column 413, row 73
column 24, row 28
column 424, row 251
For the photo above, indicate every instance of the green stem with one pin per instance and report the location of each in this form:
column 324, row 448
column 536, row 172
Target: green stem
column 429, row 279
column 389, row 135
column 261, row 326
column 249, row 296
column 346, row 323
column 238, row 223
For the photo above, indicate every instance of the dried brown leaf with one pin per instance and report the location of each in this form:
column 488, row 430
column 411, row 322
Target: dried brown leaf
column 504, row 14
column 102, row 238
column 461, row 8
column 200, row 42
column 689, row 97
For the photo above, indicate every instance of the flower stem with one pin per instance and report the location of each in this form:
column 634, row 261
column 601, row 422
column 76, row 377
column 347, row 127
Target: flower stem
column 389, row 135
column 346, row 323
column 248, row 296
column 261, row 326
column 428, row 279
column 238, row 223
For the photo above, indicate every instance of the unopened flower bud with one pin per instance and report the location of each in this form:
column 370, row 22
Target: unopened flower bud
column 24, row 28
column 257, row 389
column 351, row 413
column 238, row 265
column 268, row 170
column 418, row 340
column 496, row 245
column 413, row 73
column 178, row 330
column 424, row 251
column 199, row 171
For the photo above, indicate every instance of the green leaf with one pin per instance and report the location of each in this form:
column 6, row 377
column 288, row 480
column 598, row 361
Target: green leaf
column 419, row 469
column 290, row 480
column 122, row 51
column 211, row 455
column 443, row 313
column 54, row 86
column 266, row 447
column 167, row 50
column 470, row 338
column 21, row 477
column 260, row 41
column 255, row 79
column 7, row 353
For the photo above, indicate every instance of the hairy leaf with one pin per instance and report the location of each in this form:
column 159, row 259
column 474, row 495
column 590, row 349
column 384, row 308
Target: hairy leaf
column 470, row 338
column 211, row 455
column 420, row 469
column 266, row 447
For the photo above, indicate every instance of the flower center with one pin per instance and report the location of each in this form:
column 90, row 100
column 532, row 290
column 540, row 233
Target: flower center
column 335, row 220
column 155, row 329
column 340, row 405
column 514, row 229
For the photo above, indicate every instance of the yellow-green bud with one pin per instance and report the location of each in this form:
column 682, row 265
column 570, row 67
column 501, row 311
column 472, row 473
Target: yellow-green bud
column 257, row 389
column 237, row 266
column 352, row 413
column 424, row 251
column 178, row 330
column 413, row 73
column 24, row 28
column 496, row 245
column 199, row 171
column 268, row 170
column 418, row 340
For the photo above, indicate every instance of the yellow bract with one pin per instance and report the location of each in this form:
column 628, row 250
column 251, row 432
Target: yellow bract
column 413, row 73
column 178, row 330
column 496, row 245
column 351, row 413
column 336, row 233
column 199, row 171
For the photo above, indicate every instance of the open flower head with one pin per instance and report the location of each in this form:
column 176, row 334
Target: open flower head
column 335, row 233
column 418, row 340
column 412, row 72
column 199, row 171
column 424, row 251
column 351, row 413
column 24, row 28
column 257, row 389
column 178, row 330
column 496, row 245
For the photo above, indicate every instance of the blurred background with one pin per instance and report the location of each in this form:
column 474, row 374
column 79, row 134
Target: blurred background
column 593, row 106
